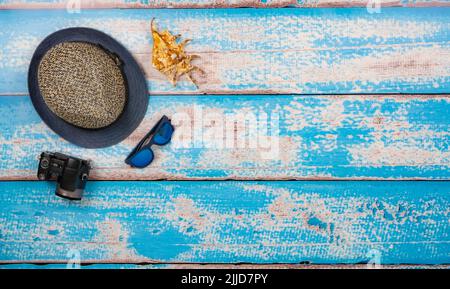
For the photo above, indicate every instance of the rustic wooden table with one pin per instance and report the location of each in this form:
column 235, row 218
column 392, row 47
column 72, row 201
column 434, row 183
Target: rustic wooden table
column 354, row 168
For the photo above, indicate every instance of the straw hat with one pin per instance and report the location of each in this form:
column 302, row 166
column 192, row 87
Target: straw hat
column 87, row 87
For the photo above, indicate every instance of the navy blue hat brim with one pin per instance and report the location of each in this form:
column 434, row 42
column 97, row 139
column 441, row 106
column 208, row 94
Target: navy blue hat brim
column 137, row 97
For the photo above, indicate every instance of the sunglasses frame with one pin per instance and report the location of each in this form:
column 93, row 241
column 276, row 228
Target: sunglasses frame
column 148, row 140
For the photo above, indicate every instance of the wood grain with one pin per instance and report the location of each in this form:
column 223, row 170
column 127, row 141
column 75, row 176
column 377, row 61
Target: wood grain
column 190, row 266
column 99, row 4
column 319, row 222
column 254, row 51
column 298, row 137
column 279, row 52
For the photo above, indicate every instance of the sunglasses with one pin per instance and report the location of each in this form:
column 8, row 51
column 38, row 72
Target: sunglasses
column 142, row 155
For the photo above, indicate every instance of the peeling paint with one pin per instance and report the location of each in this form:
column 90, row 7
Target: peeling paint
column 301, row 51
column 101, row 4
column 319, row 222
column 319, row 137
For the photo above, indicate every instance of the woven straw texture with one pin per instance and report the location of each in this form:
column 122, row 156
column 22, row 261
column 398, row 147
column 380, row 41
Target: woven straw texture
column 82, row 84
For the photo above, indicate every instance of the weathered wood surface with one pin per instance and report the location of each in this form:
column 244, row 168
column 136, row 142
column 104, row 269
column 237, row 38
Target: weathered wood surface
column 247, row 51
column 404, row 50
column 315, row 137
column 226, row 222
column 96, row 4
column 190, row 266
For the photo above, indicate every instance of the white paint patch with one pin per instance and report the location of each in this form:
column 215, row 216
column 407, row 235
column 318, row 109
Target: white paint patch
column 394, row 141
column 112, row 237
column 327, row 114
column 19, row 50
column 379, row 154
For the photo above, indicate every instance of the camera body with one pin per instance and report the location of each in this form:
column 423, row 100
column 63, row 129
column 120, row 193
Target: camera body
column 70, row 173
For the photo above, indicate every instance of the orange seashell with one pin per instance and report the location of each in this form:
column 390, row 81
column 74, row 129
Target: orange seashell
column 169, row 56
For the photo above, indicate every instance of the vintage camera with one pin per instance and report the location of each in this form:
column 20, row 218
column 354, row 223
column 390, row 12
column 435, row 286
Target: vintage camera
column 70, row 173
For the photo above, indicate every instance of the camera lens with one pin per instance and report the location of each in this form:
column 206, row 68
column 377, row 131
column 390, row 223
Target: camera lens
column 44, row 163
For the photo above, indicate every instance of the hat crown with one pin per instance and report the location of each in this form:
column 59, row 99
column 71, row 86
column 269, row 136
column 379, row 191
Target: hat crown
column 82, row 84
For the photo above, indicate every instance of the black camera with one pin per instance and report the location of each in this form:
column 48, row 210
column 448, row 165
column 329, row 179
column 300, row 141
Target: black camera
column 70, row 173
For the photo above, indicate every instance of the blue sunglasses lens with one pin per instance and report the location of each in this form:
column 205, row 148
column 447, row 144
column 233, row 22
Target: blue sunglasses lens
column 164, row 134
column 142, row 158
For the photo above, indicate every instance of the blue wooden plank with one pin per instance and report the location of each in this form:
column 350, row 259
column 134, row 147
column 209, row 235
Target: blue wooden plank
column 82, row 266
column 262, row 50
column 289, row 222
column 307, row 137
column 219, row 266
